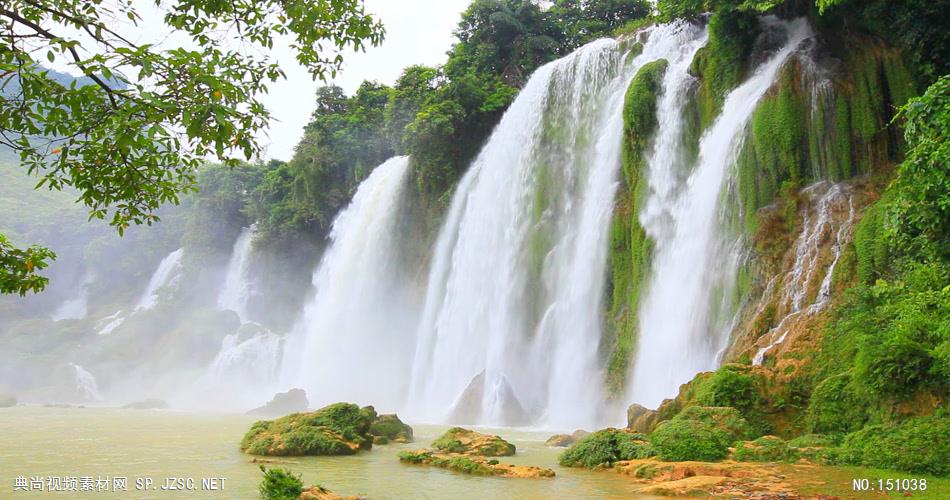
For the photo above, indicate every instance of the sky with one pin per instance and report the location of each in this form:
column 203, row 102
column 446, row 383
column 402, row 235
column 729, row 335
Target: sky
column 417, row 32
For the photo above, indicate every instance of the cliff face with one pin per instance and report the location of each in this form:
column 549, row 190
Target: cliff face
column 813, row 155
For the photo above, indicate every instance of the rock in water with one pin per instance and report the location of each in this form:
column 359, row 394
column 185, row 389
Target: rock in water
column 388, row 428
column 7, row 400
column 292, row 401
column 338, row 429
column 476, row 466
column 466, row 442
column 468, row 407
column 147, row 404
column 565, row 440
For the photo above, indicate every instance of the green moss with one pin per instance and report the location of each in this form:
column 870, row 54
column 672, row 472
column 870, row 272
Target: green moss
column 338, row 429
column 460, row 440
column 765, row 449
column 605, row 447
column 920, row 444
column 722, row 63
column 630, row 248
column 731, row 386
column 461, row 464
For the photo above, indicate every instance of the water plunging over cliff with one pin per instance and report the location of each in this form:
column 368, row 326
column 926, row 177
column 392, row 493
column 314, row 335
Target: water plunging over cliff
column 167, row 273
column 237, row 288
column 681, row 328
column 512, row 319
column 354, row 339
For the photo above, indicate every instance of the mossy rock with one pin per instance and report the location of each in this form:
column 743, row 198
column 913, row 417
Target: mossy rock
column 918, row 445
column 337, row 429
column 699, row 433
column 727, row 419
column 473, row 465
column 388, row 428
column 606, row 446
column 466, row 442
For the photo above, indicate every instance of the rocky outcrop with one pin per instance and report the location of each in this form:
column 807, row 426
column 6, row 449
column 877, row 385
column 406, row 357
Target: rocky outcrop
column 321, row 493
column 474, row 465
column 468, row 406
column 389, row 429
column 338, row 429
column 292, row 401
column 641, row 419
column 147, row 404
column 470, row 443
column 565, row 440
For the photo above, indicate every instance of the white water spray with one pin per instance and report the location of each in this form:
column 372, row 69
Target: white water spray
column 86, row 383
column 512, row 320
column 237, row 287
column 75, row 308
column 678, row 335
column 167, row 274
column 354, row 340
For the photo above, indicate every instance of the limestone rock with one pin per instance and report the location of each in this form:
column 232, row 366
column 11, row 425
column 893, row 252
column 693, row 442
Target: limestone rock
column 565, row 440
column 471, row 443
column 292, row 401
column 468, row 407
column 641, row 419
column 321, row 493
column 474, row 465
column 337, row 429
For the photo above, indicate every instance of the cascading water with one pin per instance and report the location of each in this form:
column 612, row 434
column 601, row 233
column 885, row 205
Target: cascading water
column 86, row 383
column 678, row 332
column 167, row 273
column 75, row 308
column 237, row 288
column 354, row 339
column 512, row 319
column 243, row 373
column 826, row 230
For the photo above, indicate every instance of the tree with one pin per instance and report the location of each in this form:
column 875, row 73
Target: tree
column 132, row 138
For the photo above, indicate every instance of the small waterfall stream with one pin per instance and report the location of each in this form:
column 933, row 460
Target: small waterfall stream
column 678, row 332
column 237, row 287
column 167, row 274
column 86, row 383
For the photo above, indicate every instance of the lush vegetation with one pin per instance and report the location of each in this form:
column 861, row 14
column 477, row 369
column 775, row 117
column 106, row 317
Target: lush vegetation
column 130, row 135
column 280, row 484
column 460, row 440
column 604, row 447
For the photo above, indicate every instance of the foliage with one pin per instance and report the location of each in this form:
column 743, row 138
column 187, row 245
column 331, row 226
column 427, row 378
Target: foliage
column 19, row 267
column 280, row 484
column 920, row 216
column 605, row 447
column 835, row 406
column 130, row 135
column 919, row 444
column 683, row 439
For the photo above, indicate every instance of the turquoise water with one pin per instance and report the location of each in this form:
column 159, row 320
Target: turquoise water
column 139, row 444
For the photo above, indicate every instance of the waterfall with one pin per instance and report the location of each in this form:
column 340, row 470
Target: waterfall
column 75, row 308
column 237, row 288
column 678, row 332
column 512, row 319
column 354, row 338
column 826, row 229
column 86, row 383
column 167, row 273
column 243, row 373
column 107, row 325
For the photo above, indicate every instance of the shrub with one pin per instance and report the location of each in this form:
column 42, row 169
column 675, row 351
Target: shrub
column 919, row 444
column 727, row 420
column 280, row 484
column 338, row 429
column 681, row 439
column 605, row 447
column 835, row 407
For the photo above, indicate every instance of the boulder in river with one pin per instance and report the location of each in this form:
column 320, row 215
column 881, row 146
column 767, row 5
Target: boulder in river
column 292, row 401
column 565, row 440
column 337, row 429
column 476, row 466
column 388, row 428
column 466, row 442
